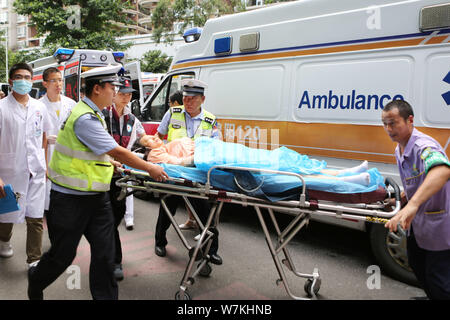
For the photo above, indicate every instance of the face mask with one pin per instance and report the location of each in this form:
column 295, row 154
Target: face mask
column 22, row 86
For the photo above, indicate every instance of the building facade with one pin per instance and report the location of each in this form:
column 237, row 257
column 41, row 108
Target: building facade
column 21, row 34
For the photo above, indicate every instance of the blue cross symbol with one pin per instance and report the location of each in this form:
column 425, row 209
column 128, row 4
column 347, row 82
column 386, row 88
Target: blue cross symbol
column 446, row 95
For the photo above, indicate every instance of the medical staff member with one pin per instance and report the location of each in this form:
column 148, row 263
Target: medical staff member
column 24, row 124
column 58, row 108
column 81, row 171
column 126, row 129
column 189, row 120
column 425, row 173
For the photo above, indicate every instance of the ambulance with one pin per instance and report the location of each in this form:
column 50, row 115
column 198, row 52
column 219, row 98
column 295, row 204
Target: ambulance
column 71, row 62
column 150, row 81
column 314, row 76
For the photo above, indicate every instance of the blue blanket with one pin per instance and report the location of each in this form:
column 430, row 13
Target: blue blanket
column 274, row 187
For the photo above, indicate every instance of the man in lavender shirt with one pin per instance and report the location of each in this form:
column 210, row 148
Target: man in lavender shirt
column 425, row 173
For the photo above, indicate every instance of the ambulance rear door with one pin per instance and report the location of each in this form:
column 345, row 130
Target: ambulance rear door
column 133, row 71
column 72, row 71
column 157, row 103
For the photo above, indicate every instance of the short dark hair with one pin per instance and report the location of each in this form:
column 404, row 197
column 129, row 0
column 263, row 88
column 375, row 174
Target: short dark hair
column 49, row 71
column 89, row 86
column 177, row 96
column 20, row 66
column 404, row 108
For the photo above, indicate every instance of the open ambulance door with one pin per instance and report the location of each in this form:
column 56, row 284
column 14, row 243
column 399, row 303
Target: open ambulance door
column 133, row 71
column 5, row 88
column 72, row 80
column 157, row 103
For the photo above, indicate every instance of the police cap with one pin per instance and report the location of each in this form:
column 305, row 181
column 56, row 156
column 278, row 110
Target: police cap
column 127, row 87
column 103, row 74
column 193, row 87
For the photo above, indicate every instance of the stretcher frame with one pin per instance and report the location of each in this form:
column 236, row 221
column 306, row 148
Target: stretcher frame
column 301, row 210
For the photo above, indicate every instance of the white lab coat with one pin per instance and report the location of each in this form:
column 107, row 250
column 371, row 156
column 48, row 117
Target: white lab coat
column 66, row 105
column 22, row 158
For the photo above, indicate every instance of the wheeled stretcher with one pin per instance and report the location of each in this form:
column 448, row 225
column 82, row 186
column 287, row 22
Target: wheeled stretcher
column 300, row 206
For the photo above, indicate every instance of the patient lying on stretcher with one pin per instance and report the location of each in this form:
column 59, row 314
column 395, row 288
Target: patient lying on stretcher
column 181, row 152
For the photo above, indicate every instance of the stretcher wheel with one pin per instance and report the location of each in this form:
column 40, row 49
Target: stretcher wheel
column 205, row 271
column 308, row 287
column 182, row 296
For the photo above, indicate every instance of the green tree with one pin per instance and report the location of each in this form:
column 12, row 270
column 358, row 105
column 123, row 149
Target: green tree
column 28, row 55
column 188, row 13
column 99, row 22
column 19, row 56
column 3, row 67
column 155, row 61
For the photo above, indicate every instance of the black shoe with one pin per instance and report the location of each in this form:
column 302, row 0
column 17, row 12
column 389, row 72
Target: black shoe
column 215, row 259
column 118, row 272
column 33, row 293
column 129, row 228
column 160, row 251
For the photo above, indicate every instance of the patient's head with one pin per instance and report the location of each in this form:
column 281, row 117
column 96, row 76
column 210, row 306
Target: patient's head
column 151, row 142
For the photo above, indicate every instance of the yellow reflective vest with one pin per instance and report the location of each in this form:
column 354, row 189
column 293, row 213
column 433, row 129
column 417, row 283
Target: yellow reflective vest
column 177, row 124
column 75, row 166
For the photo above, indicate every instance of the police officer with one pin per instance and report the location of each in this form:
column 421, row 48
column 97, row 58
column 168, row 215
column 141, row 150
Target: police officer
column 425, row 173
column 189, row 120
column 81, row 171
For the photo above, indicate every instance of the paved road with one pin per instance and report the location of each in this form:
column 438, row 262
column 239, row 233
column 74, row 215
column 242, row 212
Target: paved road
column 342, row 256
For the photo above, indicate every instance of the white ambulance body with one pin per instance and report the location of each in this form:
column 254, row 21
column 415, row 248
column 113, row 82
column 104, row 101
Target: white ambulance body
column 314, row 75
column 320, row 71
column 71, row 62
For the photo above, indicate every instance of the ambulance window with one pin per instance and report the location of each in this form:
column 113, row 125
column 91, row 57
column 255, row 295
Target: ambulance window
column 38, row 90
column 148, row 89
column 159, row 103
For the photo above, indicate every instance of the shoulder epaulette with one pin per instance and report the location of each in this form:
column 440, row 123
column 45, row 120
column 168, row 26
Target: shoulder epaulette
column 209, row 120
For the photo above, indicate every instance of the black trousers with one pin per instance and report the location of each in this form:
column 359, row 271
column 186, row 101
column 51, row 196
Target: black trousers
column 201, row 207
column 69, row 218
column 119, row 209
column 432, row 269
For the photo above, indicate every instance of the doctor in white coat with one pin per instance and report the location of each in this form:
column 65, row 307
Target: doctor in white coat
column 58, row 109
column 23, row 126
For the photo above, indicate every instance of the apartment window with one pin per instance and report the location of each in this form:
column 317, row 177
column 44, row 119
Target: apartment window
column 21, row 32
column 3, row 17
column 21, row 18
column 3, row 3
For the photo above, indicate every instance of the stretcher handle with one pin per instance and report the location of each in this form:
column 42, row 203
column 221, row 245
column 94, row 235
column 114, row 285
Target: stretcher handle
column 390, row 182
column 124, row 171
